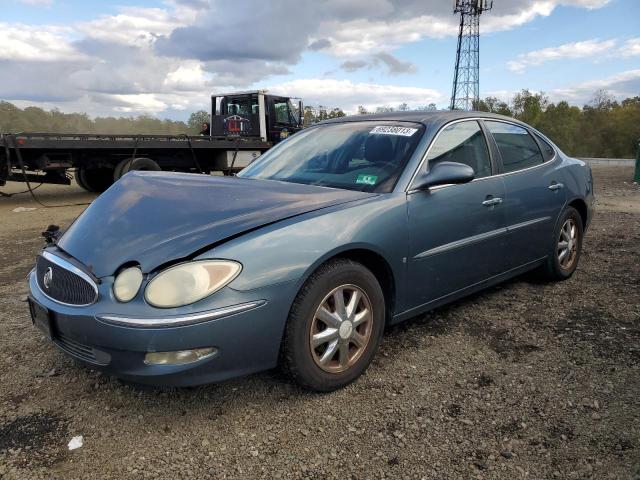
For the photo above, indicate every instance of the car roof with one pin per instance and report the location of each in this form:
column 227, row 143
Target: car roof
column 434, row 117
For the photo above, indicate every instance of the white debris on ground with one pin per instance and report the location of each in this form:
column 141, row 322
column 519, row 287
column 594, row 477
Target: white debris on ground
column 76, row 442
column 23, row 209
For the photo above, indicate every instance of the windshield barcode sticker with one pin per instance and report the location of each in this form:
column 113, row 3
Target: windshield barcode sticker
column 389, row 130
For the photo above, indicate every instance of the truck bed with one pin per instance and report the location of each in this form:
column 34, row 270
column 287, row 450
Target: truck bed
column 74, row 141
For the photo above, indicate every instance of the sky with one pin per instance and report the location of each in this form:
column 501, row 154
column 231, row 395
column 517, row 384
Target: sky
column 166, row 57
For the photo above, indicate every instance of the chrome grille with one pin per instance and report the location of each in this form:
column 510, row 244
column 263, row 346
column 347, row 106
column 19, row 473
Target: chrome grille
column 63, row 282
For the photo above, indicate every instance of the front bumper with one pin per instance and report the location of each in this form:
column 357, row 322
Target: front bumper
column 245, row 327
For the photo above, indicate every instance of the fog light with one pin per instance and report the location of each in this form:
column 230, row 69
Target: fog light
column 180, row 357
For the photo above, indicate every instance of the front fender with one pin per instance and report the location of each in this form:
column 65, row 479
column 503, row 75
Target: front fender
column 292, row 249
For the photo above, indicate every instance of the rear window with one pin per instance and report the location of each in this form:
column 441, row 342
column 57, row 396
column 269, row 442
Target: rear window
column 517, row 148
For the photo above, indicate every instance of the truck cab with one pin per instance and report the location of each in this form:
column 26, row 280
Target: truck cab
column 271, row 118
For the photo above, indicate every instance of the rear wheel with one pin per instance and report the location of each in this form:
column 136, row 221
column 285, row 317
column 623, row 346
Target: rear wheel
column 135, row 164
column 94, row 179
column 565, row 251
column 334, row 326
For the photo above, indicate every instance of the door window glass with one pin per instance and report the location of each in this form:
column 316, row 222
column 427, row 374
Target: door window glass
column 282, row 111
column 547, row 150
column 462, row 142
column 517, row 148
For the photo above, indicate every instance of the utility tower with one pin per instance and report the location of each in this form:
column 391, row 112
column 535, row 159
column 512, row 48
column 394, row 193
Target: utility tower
column 466, row 78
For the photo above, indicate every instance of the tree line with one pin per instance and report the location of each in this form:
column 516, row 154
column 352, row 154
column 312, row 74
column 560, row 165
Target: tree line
column 602, row 128
column 36, row 119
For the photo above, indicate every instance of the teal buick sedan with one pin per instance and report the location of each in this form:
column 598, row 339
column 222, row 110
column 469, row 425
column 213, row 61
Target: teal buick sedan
column 303, row 258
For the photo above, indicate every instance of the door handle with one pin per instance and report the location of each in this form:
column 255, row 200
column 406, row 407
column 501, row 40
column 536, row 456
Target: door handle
column 555, row 186
column 492, row 201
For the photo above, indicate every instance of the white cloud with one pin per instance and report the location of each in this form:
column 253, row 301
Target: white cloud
column 630, row 48
column 45, row 3
column 362, row 36
column 132, row 26
column 146, row 102
column 621, row 85
column 590, row 4
column 585, row 49
column 155, row 60
column 30, row 43
column 349, row 95
column 187, row 77
column 412, row 23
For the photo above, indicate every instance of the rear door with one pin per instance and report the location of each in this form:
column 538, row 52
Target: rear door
column 535, row 193
column 456, row 231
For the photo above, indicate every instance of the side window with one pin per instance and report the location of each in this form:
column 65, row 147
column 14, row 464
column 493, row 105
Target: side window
column 462, row 142
column 517, row 148
column 282, row 111
column 547, row 150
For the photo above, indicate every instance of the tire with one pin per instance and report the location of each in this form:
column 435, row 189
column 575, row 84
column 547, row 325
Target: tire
column 95, row 180
column 330, row 365
column 117, row 172
column 555, row 267
column 135, row 164
column 79, row 181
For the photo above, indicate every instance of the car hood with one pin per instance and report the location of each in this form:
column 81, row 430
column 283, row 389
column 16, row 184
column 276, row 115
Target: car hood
column 156, row 217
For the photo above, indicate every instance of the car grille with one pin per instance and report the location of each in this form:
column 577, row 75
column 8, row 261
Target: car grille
column 63, row 285
column 77, row 349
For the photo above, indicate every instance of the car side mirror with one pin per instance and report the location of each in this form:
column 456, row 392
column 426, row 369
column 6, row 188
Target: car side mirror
column 444, row 173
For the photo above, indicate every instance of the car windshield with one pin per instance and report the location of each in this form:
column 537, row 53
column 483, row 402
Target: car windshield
column 365, row 156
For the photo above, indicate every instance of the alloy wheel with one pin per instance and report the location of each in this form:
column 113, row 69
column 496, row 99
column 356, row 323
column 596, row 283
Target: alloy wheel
column 568, row 244
column 341, row 328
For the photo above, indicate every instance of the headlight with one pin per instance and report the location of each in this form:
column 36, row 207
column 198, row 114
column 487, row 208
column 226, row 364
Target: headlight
column 189, row 282
column 127, row 284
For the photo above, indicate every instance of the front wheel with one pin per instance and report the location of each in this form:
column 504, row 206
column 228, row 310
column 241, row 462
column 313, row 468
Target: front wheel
column 334, row 326
column 565, row 251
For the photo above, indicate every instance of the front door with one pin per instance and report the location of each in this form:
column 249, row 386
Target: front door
column 283, row 120
column 456, row 231
column 535, row 192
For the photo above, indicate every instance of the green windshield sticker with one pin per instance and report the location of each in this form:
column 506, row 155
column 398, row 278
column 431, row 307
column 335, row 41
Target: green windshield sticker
column 367, row 179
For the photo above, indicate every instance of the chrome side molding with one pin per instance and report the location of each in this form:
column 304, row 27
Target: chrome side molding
column 178, row 320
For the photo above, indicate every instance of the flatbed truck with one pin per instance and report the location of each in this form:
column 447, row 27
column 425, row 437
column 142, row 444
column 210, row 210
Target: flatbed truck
column 242, row 126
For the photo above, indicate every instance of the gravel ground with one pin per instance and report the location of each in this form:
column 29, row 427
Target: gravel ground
column 521, row 381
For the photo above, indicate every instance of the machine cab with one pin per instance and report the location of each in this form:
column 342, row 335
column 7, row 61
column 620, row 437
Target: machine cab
column 255, row 114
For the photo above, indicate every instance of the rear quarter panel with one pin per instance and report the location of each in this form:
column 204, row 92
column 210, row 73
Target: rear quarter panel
column 578, row 182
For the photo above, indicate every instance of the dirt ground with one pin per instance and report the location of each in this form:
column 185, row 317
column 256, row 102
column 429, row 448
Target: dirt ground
column 521, row 381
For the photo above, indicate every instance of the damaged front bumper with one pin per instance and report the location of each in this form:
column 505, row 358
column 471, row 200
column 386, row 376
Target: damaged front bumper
column 243, row 328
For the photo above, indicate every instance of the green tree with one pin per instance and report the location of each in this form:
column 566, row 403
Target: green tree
column 562, row 124
column 529, row 107
column 309, row 116
column 196, row 119
column 492, row 105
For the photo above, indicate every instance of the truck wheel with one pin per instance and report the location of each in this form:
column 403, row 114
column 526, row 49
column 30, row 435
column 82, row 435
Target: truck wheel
column 95, row 180
column 79, row 181
column 135, row 164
